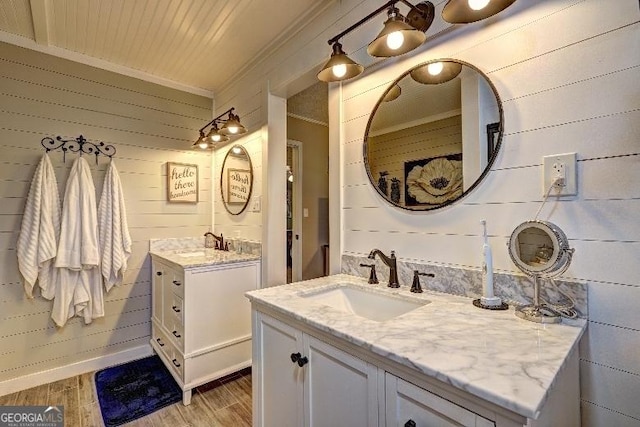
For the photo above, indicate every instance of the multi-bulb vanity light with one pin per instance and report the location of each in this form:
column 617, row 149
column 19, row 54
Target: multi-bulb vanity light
column 401, row 35
column 231, row 126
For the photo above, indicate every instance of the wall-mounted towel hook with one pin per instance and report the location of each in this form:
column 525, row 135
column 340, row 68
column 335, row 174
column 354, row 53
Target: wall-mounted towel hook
column 78, row 145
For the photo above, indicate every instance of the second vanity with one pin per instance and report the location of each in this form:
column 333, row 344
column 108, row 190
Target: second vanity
column 339, row 351
column 200, row 318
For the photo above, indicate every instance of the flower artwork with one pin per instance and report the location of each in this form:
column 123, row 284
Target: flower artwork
column 433, row 181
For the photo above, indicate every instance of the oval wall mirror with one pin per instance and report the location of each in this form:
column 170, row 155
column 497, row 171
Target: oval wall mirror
column 236, row 180
column 433, row 135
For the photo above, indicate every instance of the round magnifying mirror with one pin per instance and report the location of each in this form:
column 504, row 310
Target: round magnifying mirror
column 236, row 180
column 433, row 135
column 539, row 248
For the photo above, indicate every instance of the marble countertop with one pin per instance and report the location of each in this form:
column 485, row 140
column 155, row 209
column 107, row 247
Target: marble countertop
column 493, row 355
column 201, row 257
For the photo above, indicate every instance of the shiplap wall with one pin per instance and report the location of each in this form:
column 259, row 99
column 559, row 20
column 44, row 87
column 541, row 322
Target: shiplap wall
column 248, row 224
column 40, row 96
column 568, row 73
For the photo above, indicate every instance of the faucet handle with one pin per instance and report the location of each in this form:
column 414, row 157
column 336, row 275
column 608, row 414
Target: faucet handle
column 373, row 279
column 415, row 287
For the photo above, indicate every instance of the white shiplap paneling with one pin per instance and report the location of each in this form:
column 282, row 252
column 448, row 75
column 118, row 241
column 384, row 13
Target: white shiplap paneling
column 149, row 125
column 551, row 106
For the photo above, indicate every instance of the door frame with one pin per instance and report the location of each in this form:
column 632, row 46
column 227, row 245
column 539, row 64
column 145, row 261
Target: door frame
column 296, row 244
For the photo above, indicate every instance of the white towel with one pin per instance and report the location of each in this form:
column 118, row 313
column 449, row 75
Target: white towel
column 39, row 232
column 115, row 241
column 80, row 290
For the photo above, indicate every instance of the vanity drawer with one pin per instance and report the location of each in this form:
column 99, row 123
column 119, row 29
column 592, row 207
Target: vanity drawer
column 169, row 351
column 176, row 329
column 159, row 338
column 177, row 283
column 173, row 309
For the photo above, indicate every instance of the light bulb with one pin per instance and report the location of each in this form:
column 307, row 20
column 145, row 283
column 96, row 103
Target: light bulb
column 435, row 68
column 395, row 40
column 290, row 178
column 233, row 129
column 203, row 145
column 237, row 150
column 216, row 137
column 478, row 4
column 339, row 70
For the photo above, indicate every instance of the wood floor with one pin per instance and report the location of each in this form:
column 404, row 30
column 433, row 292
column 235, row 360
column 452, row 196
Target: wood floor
column 221, row 403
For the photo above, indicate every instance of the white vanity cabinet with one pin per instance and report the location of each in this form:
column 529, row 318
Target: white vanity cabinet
column 305, row 377
column 201, row 321
column 299, row 380
column 410, row 406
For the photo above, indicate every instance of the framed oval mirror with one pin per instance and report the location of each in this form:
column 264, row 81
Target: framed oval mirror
column 433, row 135
column 236, row 180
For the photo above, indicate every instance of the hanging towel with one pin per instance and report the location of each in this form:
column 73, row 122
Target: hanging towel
column 115, row 241
column 39, row 232
column 80, row 288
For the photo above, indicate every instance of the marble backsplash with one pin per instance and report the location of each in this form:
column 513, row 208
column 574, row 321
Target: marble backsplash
column 194, row 243
column 513, row 289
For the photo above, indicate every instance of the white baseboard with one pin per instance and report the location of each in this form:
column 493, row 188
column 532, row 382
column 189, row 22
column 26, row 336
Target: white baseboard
column 73, row 369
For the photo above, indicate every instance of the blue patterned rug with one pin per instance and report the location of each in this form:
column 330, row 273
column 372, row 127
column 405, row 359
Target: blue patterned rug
column 135, row 389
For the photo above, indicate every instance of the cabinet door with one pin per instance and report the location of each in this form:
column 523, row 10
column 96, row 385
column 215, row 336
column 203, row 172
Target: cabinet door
column 340, row 389
column 277, row 379
column 158, row 274
column 407, row 403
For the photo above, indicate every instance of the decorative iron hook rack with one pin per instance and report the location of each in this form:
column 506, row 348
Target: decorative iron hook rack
column 78, row 145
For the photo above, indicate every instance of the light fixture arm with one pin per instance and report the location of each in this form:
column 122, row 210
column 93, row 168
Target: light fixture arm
column 386, row 6
column 217, row 120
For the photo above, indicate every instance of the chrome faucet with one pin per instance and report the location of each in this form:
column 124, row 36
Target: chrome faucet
column 390, row 261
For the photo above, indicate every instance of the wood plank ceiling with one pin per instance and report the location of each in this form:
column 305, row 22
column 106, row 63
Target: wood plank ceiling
column 198, row 43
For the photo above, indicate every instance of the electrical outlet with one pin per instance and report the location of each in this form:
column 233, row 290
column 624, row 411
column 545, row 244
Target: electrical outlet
column 561, row 168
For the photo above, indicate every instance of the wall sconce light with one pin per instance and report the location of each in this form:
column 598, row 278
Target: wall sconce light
column 435, row 73
column 230, row 126
column 399, row 35
column 467, row 11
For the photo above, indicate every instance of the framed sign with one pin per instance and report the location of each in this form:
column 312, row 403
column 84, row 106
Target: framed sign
column 182, row 183
column 238, row 186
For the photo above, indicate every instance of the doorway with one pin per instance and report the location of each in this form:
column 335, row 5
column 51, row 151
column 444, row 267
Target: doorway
column 308, row 150
column 294, row 211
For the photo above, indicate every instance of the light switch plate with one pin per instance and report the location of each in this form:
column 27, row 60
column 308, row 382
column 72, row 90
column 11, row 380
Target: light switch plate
column 564, row 166
column 257, row 204
column 305, row 212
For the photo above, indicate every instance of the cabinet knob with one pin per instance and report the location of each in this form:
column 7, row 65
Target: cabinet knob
column 410, row 423
column 175, row 362
column 176, row 309
column 176, row 334
column 160, row 342
column 303, row 361
column 158, row 273
column 295, row 357
column 175, row 282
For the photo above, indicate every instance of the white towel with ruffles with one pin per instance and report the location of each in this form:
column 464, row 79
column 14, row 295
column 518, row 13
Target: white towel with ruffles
column 40, row 230
column 80, row 291
column 115, row 241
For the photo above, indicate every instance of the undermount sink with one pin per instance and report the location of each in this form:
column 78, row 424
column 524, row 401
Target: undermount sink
column 191, row 254
column 370, row 305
